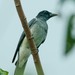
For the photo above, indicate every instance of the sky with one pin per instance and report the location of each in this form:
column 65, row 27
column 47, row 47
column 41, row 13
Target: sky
column 51, row 51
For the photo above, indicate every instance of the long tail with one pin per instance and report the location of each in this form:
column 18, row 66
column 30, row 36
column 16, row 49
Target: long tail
column 18, row 70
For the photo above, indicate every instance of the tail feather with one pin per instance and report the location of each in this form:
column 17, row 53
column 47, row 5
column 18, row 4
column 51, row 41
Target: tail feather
column 20, row 70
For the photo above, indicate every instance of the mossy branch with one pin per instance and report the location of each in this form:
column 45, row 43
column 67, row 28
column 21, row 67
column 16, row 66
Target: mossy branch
column 29, row 37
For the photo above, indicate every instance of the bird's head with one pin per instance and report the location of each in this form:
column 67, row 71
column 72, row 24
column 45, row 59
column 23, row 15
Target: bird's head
column 45, row 15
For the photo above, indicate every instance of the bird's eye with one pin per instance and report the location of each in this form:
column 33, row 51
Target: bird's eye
column 47, row 15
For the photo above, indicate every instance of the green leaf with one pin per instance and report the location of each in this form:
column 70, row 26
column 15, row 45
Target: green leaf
column 63, row 1
column 69, row 40
column 2, row 72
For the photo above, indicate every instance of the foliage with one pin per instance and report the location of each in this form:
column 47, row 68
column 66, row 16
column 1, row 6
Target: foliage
column 2, row 72
column 63, row 1
column 70, row 41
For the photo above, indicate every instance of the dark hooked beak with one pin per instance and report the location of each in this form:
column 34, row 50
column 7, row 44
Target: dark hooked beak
column 52, row 15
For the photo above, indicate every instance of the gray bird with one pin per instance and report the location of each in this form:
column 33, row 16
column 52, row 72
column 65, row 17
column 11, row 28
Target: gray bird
column 38, row 28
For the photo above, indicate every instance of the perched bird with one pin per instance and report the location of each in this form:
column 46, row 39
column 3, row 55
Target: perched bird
column 38, row 27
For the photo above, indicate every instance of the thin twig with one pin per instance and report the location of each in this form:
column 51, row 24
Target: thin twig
column 29, row 37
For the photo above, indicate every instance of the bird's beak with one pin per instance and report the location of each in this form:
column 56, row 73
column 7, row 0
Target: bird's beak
column 52, row 15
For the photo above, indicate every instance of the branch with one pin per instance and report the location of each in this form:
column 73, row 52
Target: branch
column 29, row 37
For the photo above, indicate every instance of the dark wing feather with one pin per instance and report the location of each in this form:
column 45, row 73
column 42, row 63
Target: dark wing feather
column 31, row 23
column 17, row 49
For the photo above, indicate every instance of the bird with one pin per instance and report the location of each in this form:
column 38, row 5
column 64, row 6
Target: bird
column 39, row 29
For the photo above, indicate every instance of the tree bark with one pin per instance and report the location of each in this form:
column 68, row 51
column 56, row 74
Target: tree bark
column 33, row 47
